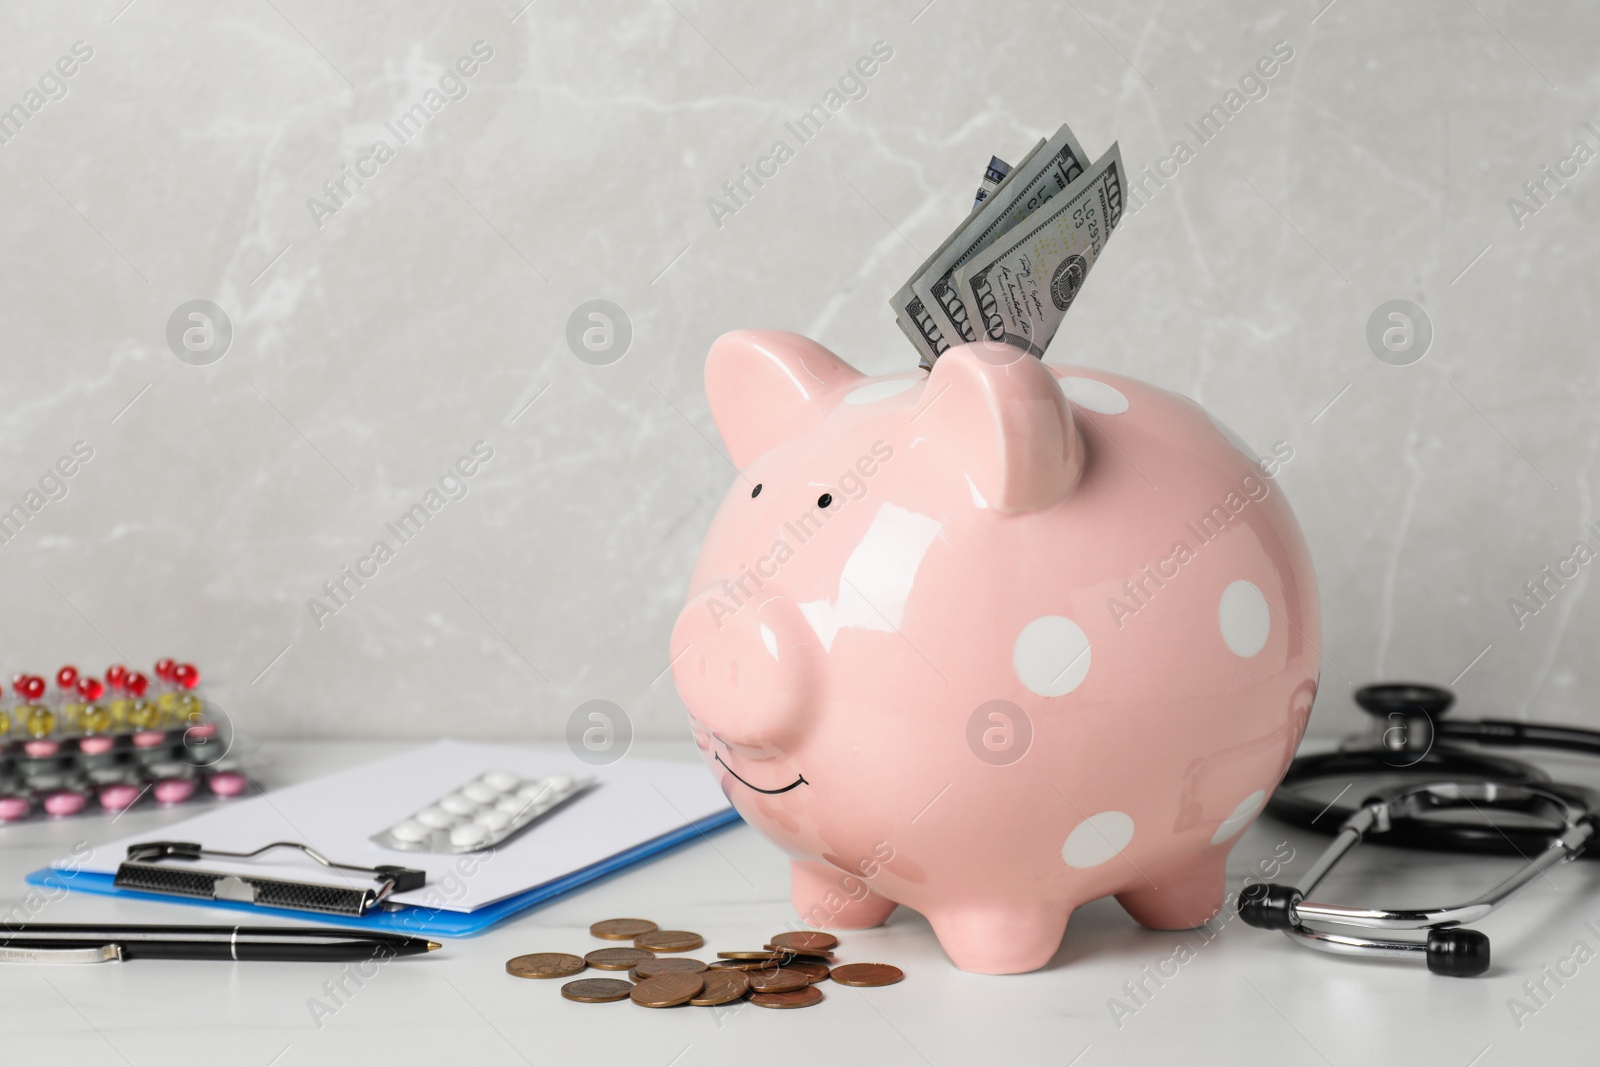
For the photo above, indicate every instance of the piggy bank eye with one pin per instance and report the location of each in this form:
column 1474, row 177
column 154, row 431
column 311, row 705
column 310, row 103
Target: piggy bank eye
column 756, row 491
column 824, row 500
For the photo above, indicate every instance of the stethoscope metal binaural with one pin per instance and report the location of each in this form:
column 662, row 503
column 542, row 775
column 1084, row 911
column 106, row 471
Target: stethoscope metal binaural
column 1555, row 823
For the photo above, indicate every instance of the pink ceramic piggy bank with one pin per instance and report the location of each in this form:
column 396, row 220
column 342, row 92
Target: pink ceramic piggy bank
column 992, row 641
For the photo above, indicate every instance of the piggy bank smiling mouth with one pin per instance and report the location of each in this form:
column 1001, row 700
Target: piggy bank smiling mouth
column 799, row 779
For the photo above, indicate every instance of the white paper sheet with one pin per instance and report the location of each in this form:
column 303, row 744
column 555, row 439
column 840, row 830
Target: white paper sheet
column 631, row 802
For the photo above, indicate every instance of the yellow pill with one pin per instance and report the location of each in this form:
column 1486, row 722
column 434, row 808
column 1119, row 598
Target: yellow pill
column 41, row 721
column 119, row 710
column 97, row 719
column 167, row 702
column 190, row 709
column 73, row 714
column 5, row 724
column 143, row 714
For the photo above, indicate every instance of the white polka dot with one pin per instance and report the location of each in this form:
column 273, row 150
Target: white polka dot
column 1245, row 618
column 867, row 394
column 1096, row 396
column 1097, row 839
column 1051, row 655
column 1242, row 814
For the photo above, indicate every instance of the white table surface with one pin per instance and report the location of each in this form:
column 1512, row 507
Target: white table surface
column 1245, row 996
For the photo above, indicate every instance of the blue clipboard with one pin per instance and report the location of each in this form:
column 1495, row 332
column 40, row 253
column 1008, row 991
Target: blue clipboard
column 407, row 918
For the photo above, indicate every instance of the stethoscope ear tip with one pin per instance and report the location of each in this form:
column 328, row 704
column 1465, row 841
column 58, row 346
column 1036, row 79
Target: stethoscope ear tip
column 1458, row 953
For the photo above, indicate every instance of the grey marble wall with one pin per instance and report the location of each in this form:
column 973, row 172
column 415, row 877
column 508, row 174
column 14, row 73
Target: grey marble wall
column 381, row 330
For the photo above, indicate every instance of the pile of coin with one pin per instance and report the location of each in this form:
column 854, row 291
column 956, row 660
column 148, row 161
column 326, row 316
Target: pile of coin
column 781, row 974
column 1010, row 270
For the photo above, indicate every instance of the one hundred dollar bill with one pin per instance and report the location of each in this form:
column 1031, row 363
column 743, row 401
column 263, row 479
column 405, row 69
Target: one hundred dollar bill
column 1033, row 183
column 913, row 316
column 1020, row 287
column 993, row 175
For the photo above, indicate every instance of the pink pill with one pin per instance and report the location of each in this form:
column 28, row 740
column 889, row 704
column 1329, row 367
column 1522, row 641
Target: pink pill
column 118, row 797
column 173, row 790
column 203, row 731
column 149, row 738
column 13, row 808
column 94, row 746
column 227, row 783
column 41, row 748
column 65, row 803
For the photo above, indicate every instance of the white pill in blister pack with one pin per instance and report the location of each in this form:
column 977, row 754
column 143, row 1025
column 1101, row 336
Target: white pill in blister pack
column 456, row 804
column 481, row 792
column 482, row 813
column 502, row 780
column 436, row 818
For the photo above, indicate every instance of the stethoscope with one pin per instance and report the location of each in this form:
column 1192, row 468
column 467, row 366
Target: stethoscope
column 1441, row 782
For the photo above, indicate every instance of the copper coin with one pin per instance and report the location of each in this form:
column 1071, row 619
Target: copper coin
column 805, row 940
column 814, row 972
column 765, row 954
column 616, row 959
column 722, row 987
column 803, row 997
column 742, row 965
column 779, row 981
column 821, row 957
column 669, row 940
column 667, row 965
column 596, row 990
column 621, row 929
column 667, row 990
column 545, row 965
column 867, row 974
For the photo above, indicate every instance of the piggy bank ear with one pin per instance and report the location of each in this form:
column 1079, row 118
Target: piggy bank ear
column 1005, row 424
column 767, row 387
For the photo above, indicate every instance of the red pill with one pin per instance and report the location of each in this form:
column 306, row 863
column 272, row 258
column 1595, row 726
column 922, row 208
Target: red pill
column 137, row 683
column 164, row 669
column 116, row 676
column 186, row 675
column 67, row 676
column 91, row 689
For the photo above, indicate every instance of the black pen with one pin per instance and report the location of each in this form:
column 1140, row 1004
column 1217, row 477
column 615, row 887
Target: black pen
column 97, row 943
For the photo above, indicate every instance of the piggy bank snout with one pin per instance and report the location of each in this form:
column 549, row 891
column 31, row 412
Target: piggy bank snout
column 747, row 673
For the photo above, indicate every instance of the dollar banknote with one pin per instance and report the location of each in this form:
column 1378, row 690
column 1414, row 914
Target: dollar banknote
column 1033, row 183
column 1020, row 286
column 992, row 177
column 912, row 315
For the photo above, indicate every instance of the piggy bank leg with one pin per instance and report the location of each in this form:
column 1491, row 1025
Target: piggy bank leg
column 1183, row 897
column 1001, row 939
column 828, row 897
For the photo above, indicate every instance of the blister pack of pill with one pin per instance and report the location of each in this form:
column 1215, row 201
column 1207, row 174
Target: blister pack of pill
column 482, row 813
column 93, row 744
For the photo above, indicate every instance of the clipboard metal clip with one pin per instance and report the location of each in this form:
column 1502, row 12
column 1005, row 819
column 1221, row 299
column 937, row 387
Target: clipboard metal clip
column 144, row 870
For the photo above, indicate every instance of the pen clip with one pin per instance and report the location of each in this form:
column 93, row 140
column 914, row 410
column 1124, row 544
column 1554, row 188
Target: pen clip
column 95, row 954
